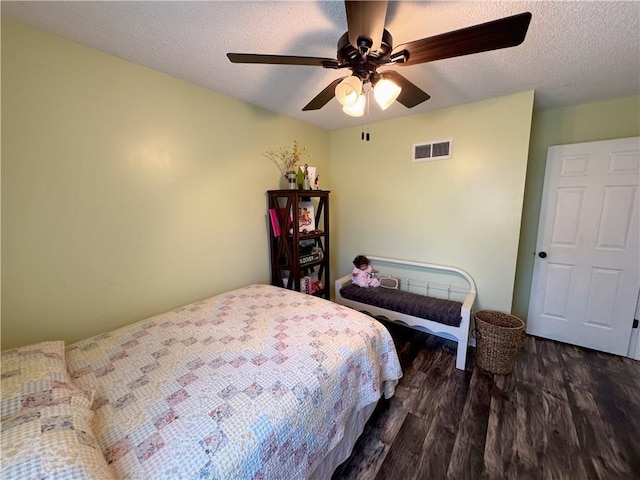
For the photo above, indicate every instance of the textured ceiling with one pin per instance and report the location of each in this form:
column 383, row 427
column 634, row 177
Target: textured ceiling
column 575, row 52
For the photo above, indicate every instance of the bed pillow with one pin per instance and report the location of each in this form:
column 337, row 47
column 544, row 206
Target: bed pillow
column 52, row 441
column 35, row 376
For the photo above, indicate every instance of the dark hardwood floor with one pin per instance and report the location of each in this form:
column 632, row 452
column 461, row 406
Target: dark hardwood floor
column 564, row 413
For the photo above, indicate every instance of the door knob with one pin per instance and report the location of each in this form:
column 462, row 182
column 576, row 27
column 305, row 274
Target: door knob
column 542, row 254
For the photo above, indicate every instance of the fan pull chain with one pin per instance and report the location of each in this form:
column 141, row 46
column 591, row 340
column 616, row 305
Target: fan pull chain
column 367, row 115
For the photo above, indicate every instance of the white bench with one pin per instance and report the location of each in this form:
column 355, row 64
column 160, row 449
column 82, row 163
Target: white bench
column 432, row 291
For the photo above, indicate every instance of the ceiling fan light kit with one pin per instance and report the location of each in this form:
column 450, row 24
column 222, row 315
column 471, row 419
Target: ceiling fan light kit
column 357, row 109
column 367, row 45
column 386, row 92
column 349, row 90
column 349, row 94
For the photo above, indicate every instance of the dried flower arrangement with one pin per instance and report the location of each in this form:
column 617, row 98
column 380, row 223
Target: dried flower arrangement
column 285, row 159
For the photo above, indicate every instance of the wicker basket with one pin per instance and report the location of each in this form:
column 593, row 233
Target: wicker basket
column 499, row 337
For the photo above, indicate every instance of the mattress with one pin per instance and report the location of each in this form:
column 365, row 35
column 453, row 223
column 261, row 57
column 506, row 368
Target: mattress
column 255, row 383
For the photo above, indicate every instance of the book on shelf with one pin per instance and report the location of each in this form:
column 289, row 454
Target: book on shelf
column 277, row 216
column 309, row 258
column 306, row 219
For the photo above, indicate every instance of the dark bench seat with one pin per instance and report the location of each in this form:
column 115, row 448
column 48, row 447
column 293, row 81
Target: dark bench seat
column 437, row 309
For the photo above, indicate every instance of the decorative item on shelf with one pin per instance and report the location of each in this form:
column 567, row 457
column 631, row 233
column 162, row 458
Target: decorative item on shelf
column 306, row 176
column 306, row 219
column 291, row 180
column 310, row 285
column 287, row 160
column 318, row 251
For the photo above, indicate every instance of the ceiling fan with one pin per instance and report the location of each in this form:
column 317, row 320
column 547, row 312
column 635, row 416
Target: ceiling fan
column 367, row 45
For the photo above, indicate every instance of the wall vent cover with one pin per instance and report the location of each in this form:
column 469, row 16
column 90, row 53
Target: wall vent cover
column 438, row 150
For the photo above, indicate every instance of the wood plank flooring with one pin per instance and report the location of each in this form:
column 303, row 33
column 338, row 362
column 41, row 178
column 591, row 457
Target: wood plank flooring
column 564, row 413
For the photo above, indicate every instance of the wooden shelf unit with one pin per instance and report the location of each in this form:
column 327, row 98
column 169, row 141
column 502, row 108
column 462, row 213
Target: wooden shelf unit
column 285, row 248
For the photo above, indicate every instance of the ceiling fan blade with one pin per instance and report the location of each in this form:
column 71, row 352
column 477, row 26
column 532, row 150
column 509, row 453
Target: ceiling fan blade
column 324, row 96
column 282, row 60
column 365, row 20
column 502, row 33
column 411, row 95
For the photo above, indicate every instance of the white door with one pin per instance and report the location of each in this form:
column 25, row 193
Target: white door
column 586, row 274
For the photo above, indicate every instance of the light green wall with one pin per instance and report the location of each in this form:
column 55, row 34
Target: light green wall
column 464, row 211
column 125, row 192
column 616, row 118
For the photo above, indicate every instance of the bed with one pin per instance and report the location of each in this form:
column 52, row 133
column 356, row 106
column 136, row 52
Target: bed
column 437, row 308
column 256, row 383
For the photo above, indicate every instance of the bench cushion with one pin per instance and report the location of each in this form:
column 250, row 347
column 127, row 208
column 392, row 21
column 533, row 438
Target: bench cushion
column 430, row 308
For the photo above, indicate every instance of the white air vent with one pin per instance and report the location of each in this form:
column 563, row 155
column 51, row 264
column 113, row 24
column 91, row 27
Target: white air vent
column 438, row 150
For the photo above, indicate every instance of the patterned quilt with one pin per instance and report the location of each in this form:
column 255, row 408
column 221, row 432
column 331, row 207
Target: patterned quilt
column 255, row 383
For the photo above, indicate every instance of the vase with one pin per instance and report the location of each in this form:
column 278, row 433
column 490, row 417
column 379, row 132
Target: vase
column 292, row 180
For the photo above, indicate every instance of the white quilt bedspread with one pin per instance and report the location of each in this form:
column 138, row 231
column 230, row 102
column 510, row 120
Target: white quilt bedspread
column 251, row 384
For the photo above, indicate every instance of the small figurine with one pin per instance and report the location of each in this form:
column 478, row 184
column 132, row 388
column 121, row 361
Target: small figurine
column 316, row 183
column 305, row 181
